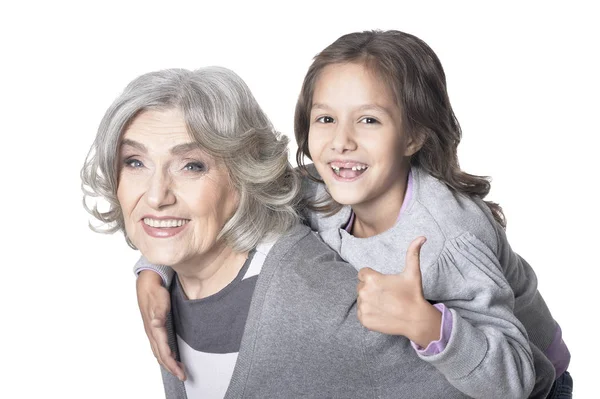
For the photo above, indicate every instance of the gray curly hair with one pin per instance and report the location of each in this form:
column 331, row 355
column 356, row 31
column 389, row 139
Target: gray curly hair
column 223, row 117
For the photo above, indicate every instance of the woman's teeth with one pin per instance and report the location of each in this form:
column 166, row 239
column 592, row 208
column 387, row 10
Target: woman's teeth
column 163, row 223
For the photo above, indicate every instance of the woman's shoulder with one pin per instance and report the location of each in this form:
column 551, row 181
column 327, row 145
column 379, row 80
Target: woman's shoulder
column 303, row 250
column 300, row 241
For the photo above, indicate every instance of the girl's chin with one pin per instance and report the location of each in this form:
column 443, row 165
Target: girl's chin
column 345, row 197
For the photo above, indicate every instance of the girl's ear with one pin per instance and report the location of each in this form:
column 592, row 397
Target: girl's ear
column 414, row 144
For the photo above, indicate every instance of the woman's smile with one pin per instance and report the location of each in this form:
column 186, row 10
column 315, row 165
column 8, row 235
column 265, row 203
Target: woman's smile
column 163, row 227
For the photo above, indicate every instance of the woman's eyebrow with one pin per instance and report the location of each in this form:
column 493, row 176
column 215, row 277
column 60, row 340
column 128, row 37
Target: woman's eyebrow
column 132, row 143
column 184, row 148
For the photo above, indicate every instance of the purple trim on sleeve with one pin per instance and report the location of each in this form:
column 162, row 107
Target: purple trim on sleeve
column 407, row 196
column 438, row 346
column 558, row 353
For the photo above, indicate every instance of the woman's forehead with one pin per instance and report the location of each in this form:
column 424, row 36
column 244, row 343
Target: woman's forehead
column 157, row 122
column 163, row 130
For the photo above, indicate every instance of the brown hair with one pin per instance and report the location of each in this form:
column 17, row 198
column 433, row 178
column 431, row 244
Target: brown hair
column 415, row 75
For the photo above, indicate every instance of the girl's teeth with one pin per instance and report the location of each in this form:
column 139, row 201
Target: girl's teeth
column 355, row 168
column 340, row 171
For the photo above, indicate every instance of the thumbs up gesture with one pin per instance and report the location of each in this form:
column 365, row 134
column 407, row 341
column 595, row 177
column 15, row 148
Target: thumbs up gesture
column 394, row 304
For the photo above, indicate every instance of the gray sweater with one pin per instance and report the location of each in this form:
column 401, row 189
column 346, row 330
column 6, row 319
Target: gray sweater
column 303, row 339
column 463, row 240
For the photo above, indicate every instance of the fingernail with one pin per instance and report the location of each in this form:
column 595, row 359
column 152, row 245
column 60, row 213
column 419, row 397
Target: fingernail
column 423, row 239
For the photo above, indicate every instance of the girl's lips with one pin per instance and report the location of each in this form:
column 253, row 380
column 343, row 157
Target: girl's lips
column 162, row 232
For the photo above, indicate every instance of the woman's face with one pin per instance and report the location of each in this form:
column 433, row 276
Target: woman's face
column 175, row 198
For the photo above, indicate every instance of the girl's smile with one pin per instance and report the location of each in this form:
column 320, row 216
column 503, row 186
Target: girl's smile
column 347, row 170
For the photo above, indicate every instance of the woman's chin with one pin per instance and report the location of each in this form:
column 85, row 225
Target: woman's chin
column 157, row 258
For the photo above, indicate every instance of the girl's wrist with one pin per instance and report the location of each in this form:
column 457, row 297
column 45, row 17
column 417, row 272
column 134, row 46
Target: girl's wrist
column 427, row 330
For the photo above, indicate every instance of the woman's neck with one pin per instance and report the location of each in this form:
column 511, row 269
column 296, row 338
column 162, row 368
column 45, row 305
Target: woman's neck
column 210, row 274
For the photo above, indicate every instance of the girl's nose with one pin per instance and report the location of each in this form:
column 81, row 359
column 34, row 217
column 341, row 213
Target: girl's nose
column 343, row 140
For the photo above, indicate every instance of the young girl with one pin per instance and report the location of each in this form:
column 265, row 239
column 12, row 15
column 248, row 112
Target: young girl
column 374, row 117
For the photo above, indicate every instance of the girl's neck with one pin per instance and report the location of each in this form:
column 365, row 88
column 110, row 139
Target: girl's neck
column 379, row 215
column 208, row 275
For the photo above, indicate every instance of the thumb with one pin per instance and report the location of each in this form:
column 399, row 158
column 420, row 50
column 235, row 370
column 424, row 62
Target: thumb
column 413, row 257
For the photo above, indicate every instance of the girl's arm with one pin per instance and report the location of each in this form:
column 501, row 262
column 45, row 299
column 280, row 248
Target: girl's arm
column 530, row 308
column 165, row 272
column 487, row 352
column 155, row 303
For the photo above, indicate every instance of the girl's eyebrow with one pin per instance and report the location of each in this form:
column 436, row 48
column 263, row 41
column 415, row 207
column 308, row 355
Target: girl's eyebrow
column 374, row 107
column 319, row 106
column 365, row 107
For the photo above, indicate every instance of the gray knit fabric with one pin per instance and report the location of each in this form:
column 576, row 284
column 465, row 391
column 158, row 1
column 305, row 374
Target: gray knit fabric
column 459, row 230
column 466, row 263
column 174, row 389
column 303, row 338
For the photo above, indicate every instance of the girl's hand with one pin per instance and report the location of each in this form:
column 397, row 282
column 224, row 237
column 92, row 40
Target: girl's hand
column 394, row 304
column 154, row 302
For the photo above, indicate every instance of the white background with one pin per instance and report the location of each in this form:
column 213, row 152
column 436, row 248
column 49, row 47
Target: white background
column 522, row 77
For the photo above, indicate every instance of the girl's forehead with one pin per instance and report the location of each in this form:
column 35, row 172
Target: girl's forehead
column 352, row 85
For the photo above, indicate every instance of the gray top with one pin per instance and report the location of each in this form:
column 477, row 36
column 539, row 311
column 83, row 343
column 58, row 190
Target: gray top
column 214, row 324
column 460, row 231
column 303, row 338
column 462, row 236
column 209, row 331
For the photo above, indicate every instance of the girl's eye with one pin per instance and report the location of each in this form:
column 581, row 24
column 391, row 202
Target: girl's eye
column 133, row 163
column 368, row 120
column 325, row 119
column 195, row 167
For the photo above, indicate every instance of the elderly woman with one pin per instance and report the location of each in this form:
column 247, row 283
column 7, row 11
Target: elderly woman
column 199, row 181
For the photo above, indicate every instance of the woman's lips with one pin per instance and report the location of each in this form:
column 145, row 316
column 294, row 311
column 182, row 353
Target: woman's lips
column 163, row 227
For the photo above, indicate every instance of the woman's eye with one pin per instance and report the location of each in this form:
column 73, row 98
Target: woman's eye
column 195, row 167
column 325, row 119
column 133, row 163
column 368, row 120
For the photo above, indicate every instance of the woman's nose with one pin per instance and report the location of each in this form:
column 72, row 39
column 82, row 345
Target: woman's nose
column 160, row 193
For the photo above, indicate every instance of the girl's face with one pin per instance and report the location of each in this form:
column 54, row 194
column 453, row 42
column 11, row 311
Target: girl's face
column 356, row 139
